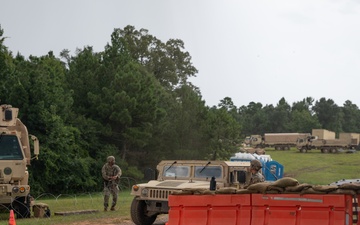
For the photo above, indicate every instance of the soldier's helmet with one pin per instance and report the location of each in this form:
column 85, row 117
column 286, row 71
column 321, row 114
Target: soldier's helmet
column 256, row 164
column 110, row 159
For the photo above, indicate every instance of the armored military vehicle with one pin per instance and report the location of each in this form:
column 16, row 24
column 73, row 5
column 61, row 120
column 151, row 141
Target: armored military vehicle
column 15, row 157
column 326, row 142
column 279, row 141
column 151, row 199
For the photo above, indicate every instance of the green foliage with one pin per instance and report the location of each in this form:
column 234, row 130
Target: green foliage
column 133, row 100
column 6, row 68
column 254, row 118
column 303, row 121
column 169, row 64
column 350, row 117
column 134, row 173
column 328, row 114
column 223, row 133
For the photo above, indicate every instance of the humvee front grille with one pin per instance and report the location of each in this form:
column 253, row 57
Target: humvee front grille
column 159, row 194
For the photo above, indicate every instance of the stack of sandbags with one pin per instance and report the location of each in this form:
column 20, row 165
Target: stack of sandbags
column 191, row 191
column 286, row 185
column 349, row 188
column 278, row 186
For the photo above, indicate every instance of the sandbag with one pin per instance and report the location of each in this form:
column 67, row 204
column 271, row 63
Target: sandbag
column 181, row 192
column 310, row 191
column 325, row 188
column 274, row 189
column 298, row 188
column 245, row 191
column 272, row 192
column 350, row 186
column 206, row 192
column 259, row 187
column 198, row 191
column 226, row 190
column 344, row 191
column 286, row 182
column 194, row 189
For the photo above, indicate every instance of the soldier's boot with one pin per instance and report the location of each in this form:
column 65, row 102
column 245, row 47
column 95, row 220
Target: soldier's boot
column 112, row 208
column 105, row 209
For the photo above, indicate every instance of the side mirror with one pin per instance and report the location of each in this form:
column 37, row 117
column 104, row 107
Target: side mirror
column 36, row 145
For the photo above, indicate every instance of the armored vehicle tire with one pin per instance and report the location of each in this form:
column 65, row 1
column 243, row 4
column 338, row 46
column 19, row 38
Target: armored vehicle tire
column 333, row 150
column 21, row 207
column 48, row 213
column 325, row 150
column 138, row 213
column 303, row 150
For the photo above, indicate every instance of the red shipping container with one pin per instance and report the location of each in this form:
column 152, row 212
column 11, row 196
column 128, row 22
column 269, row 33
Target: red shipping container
column 314, row 209
column 209, row 209
column 263, row 209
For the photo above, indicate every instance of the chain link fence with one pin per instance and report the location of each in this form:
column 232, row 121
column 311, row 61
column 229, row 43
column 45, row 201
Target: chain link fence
column 80, row 209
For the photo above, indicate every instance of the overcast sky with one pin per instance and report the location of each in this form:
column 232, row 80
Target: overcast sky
column 248, row 50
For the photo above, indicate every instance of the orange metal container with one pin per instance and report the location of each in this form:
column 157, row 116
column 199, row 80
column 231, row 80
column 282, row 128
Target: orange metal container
column 287, row 209
column 209, row 209
column 263, row 209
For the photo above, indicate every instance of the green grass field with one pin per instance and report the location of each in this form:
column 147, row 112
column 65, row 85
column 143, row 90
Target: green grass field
column 312, row 167
column 315, row 167
column 93, row 201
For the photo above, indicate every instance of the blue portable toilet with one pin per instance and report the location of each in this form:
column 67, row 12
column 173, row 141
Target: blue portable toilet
column 273, row 171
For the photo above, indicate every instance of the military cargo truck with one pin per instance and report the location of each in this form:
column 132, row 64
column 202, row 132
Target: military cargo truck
column 324, row 145
column 151, row 199
column 326, row 142
column 279, row 141
column 253, row 140
column 15, row 157
column 352, row 138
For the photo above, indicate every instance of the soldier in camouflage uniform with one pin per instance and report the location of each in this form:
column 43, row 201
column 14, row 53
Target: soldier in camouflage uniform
column 256, row 176
column 111, row 175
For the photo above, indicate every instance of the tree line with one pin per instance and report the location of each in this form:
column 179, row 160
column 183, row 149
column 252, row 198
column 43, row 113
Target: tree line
column 134, row 100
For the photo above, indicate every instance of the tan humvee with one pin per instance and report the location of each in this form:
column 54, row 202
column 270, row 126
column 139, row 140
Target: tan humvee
column 151, row 199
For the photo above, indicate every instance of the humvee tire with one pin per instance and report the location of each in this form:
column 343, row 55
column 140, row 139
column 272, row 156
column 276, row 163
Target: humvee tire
column 138, row 213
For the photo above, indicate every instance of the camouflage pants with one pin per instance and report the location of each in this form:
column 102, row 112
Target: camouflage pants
column 110, row 190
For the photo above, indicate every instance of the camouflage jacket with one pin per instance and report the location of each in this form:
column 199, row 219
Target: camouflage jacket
column 256, row 178
column 108, row 171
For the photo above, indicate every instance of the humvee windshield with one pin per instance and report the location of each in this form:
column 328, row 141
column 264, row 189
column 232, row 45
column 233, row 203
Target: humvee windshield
column 10, row 148
column 176, row 171
column 211, row 171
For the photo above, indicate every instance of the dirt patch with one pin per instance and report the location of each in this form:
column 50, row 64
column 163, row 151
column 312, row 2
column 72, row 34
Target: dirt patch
column 108, row 221
column 161, row 220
